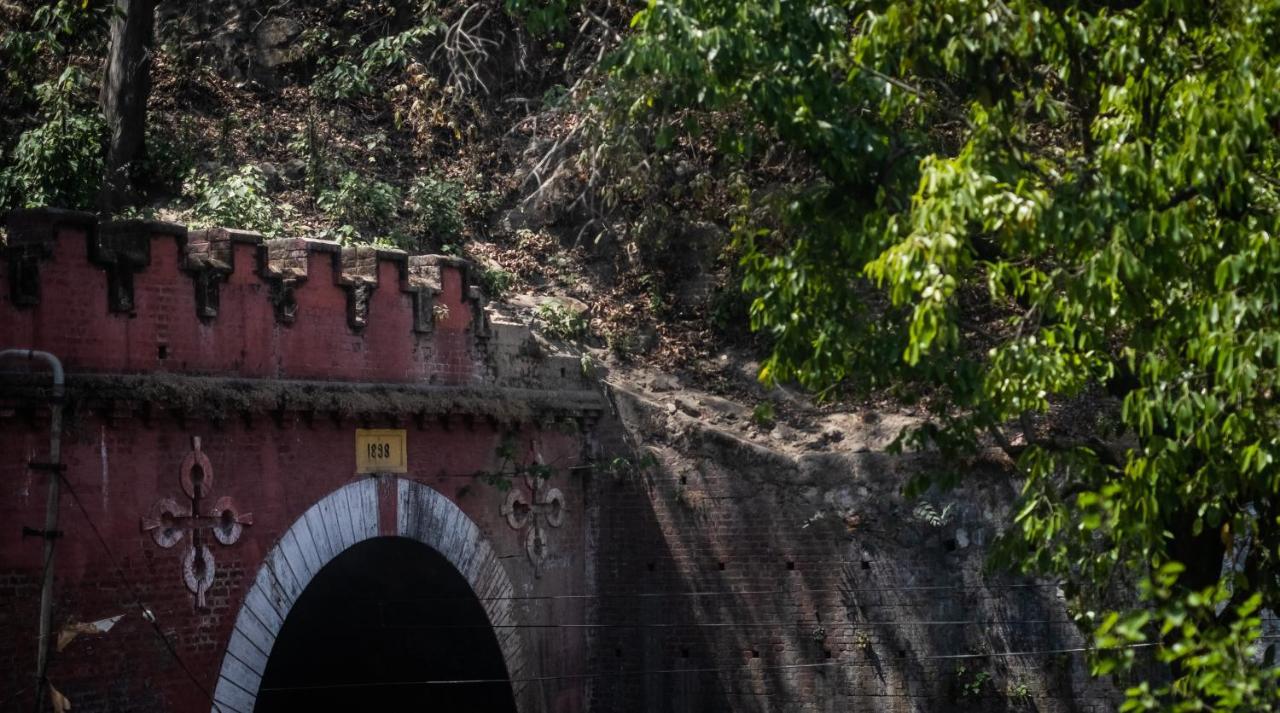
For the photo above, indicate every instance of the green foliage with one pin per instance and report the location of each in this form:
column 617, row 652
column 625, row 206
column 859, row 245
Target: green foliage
column 344, row 80
column 1216, row 646
column 542, row 17
column 496, row 282
column 926, row 513
column 393, row 52
column 1017, row 692
column 357, row 75
column 729, row 310
column 509, row 469
column 1023, row 204
column 236, row 200
column 310, row 144
column 437, row 207
column 972, row 682
column 50, row 33
column 359, row 206
column 57, row 162
column 764, row 414
column 498, row 481
column 170, row 157
column 623, row 341
column 555, row 96
column 51, row 131
column 622, row 467
column 360, row 201
column 560, row 322
column 657, row 296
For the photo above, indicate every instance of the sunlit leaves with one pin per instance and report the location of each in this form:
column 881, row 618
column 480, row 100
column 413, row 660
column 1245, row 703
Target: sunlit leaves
column 59, row 160
column 1050, row 202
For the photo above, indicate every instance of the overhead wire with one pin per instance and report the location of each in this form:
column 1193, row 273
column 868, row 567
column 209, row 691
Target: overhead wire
column 815, row 623
column 729, row 625
column 715, row 669
column 147, row 614
column 726, row 593
column 150, row 618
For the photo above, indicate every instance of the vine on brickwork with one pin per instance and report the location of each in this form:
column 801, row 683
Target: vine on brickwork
column 508, row 470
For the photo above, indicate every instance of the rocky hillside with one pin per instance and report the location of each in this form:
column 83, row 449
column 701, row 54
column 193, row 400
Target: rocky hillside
column 464, row 129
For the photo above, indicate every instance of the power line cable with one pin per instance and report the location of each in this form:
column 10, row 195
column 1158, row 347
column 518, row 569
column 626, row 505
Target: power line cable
column 147, row 614
column 725, row 625
column 717, row 669
column 720, row 593
column 835, row 625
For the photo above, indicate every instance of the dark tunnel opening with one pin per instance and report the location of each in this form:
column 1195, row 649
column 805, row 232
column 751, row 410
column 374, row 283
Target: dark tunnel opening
column 381, row 627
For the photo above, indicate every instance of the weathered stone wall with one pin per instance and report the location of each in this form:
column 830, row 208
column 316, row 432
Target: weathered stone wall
column 804, row 582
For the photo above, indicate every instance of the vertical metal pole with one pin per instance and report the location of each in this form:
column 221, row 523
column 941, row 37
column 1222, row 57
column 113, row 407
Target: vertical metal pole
column 54, row 470
column 50, row 527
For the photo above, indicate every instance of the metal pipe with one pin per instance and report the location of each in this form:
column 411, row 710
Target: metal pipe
column 55, row 365
column 53, row 468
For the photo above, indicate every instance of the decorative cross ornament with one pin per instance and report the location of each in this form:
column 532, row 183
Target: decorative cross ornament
column 169, row 520
column 542, row 505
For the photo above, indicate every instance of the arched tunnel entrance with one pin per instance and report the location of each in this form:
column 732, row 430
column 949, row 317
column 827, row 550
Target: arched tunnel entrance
column 388, row 624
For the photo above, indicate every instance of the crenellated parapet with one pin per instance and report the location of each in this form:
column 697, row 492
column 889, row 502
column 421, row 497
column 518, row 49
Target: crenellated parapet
column 142, row 297
column 211, row 259
column 32, row 235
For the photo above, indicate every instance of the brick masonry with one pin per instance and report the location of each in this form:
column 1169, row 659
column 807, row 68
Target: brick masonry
column 725, row 577
column 804, row 583
column 273, row 353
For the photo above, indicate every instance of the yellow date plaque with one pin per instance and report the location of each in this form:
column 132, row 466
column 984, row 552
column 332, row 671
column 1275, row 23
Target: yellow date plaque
column 381, row 450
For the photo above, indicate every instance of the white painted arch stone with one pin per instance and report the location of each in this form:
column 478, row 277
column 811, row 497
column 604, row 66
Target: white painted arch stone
column 343, row 518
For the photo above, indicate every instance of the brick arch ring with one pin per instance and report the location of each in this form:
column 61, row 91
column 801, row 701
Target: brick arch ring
column 343, row 518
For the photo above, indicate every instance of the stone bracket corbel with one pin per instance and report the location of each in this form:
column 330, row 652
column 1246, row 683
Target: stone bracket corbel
column 210, row 259
column 123, row 248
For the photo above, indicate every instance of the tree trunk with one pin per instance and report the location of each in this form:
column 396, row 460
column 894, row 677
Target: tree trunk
column 125, row 89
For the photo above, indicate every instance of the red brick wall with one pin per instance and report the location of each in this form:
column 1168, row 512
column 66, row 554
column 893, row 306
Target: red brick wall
column 119, row 467
column 123, row 454
column 73, row 319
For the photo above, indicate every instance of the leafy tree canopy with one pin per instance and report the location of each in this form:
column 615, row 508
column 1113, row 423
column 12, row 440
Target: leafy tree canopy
column 1060, row 202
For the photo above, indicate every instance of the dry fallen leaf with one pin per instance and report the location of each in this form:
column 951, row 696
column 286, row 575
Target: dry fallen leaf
column 61, row 704
column 74, row 629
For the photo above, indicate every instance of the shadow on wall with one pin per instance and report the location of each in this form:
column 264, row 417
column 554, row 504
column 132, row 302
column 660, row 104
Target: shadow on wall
column 808, row 584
